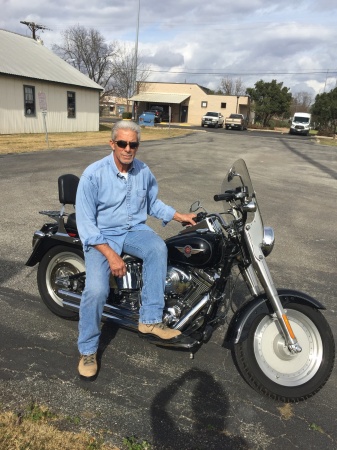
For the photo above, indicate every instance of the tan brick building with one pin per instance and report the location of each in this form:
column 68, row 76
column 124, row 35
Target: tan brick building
column 188, row 101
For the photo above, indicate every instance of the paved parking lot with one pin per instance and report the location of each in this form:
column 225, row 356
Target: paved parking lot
column 160, row 395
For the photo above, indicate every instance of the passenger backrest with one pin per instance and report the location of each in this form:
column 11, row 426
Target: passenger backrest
column 67, row 188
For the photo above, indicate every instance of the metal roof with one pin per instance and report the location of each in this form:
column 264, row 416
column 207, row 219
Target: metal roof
column 159, row 97
column 24, row 57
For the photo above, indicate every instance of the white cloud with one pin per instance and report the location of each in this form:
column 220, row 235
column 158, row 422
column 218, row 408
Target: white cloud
column 293, row 42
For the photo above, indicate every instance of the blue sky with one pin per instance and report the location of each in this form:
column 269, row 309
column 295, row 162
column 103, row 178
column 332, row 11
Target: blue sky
column 200, row 41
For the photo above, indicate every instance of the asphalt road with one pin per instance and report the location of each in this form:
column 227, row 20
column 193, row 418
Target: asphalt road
column 252, row 132
column 161, row 395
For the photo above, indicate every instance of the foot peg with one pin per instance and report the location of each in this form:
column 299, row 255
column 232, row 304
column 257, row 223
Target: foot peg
column 180, row 341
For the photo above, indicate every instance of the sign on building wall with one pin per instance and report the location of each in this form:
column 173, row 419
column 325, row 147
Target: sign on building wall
column 43, row 107
column 42, row 101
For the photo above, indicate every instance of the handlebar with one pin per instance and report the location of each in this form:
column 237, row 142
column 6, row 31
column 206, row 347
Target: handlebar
column 233, row 194
column 198, row 218
column 227, row 196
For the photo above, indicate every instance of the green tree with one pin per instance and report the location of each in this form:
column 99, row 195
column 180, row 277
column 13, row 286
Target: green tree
column 270, row 99
column 324, row 111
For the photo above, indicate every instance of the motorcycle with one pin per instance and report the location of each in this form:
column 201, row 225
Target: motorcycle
column 280, row 341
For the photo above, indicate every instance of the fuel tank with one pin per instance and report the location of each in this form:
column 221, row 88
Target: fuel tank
column 195, row 249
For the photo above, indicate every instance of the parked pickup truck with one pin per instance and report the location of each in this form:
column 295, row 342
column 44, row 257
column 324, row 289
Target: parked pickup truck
column 236, row 121
column 212, row 119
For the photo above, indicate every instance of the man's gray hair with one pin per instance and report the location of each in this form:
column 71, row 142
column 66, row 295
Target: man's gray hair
column 125, row 125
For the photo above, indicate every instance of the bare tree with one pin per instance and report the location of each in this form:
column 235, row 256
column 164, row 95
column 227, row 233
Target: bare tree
column 125, row 74
column 87, row 50
column 301, row 102
column 228, row 86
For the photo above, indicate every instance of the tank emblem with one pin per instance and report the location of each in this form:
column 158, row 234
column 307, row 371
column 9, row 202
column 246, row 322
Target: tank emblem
column 189, row 251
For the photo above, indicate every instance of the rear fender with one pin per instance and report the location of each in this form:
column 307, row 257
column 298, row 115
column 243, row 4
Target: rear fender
column 243, row 318
column 45, row 243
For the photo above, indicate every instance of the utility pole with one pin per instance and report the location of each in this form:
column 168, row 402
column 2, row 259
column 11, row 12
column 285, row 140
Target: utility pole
column 34, row 27
column 136, row 53
column 134, row 108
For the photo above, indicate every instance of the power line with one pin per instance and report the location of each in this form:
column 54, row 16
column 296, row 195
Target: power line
column 225, row 72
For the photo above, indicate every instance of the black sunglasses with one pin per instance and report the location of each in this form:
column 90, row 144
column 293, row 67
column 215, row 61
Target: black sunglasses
column 123, row 144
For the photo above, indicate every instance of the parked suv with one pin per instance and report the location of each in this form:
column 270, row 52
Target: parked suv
column 158, row 111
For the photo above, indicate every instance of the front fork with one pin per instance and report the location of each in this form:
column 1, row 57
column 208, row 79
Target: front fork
column 260, row 271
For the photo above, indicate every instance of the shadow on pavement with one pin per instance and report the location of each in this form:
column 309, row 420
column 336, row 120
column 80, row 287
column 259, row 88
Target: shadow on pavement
column 209, row 405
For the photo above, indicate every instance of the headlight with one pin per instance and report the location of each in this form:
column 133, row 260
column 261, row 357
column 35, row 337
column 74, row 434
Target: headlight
column 268, row 241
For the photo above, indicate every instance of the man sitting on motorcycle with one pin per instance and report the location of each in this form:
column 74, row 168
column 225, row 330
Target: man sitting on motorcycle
column 114, row 197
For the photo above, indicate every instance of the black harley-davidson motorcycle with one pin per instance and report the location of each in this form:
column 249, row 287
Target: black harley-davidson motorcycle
column 281, row 343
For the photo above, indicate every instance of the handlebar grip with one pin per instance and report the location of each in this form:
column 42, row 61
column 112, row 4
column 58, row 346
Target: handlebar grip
column 226, row 197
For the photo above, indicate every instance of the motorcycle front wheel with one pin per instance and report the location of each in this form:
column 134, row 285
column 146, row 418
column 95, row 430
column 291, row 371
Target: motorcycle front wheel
column 59, row 261
column 268, row 366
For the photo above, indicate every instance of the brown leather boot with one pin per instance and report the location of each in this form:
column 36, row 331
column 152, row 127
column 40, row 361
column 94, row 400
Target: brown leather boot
column 159, row 330
column 87, row 367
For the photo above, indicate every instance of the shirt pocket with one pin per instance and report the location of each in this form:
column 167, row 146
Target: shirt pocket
column 141, row 198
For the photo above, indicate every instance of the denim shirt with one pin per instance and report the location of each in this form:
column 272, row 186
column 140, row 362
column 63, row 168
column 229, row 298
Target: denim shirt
column 108, row 205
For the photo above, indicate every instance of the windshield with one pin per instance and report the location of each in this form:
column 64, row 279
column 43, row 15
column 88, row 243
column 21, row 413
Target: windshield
column 238, row 179
column 213, row 114
column 301, row 119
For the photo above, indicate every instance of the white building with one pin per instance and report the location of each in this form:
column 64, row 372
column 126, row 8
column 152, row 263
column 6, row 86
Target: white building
column 36, row 84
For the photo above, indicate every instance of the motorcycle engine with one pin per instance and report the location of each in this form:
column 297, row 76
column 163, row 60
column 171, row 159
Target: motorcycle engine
column 177, row 282
column 183, row 288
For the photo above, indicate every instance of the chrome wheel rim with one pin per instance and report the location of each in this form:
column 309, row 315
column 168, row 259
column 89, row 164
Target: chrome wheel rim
column 274, row 358
column 62, row 265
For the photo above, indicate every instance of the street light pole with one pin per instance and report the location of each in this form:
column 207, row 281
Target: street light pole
column 136, row 49
column 136, row 63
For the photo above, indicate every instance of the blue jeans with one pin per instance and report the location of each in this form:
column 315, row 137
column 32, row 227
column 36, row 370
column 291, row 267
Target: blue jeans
column 146, row 245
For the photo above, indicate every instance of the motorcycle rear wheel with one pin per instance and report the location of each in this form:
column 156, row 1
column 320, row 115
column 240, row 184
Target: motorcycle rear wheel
column 271, row 369
column 59, row 261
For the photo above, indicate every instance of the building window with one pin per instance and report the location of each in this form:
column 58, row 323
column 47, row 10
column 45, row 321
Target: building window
column 29, row 101
column 223, row 105
column 71, row 105
column 204, row 104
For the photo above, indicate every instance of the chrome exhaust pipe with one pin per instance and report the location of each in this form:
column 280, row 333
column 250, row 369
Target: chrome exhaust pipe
column 117, row 314
column 189, row 317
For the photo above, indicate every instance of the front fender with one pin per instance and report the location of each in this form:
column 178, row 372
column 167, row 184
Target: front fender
column 242, row 320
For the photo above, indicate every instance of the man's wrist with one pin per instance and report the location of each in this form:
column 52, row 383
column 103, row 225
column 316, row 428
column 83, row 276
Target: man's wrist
column 177, row 216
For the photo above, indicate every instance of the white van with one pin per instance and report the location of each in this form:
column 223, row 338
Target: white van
column 300, row 123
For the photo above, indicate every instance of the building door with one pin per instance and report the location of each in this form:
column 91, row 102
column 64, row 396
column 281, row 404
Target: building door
column 184, row 114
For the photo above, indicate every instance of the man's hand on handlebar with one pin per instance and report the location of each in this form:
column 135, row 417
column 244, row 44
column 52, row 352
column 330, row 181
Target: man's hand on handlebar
column 186, row 219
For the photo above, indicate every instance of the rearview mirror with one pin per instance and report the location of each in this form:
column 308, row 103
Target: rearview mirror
column 195, row 206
